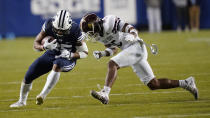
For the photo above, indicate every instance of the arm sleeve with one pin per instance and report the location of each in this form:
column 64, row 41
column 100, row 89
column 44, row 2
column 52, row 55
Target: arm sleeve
column 78, row 33
column 112, row 24
column 82, row 48
column 44, row 27
column 82, row 36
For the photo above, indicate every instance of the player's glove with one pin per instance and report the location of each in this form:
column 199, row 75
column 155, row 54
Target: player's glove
column 65, row 54
column 99, row 54
column 50, row 45
column 130, row 38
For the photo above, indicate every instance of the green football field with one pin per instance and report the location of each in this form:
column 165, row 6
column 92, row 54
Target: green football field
column 180, row 56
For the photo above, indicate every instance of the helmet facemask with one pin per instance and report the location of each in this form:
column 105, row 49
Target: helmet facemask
column 90, row 25
column 94, row 29
column 60, row 32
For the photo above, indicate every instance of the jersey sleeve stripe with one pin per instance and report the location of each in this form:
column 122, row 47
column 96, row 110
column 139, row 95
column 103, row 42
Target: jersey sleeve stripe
column 43, row 27
column 116, row 25
column 130, row 29
column 114, row 28
column 124, row 27
column 82, row 37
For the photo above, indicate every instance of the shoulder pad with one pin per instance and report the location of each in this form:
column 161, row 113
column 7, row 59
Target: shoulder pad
column 47, row 25
column 109, row 23
column 75, row 30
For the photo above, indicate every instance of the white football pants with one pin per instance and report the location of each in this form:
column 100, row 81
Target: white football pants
column 136, row 57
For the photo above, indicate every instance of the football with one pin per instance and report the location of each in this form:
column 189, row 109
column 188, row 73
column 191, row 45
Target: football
column 49, row 38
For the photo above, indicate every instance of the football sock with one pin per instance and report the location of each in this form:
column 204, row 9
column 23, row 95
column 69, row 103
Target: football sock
column 107, row 89
column 52, row 79
column 182, row 83
column 24, row 90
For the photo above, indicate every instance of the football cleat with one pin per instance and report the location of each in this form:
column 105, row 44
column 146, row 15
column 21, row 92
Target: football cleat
column 101, row 96
column 17, row 104
column 39, row 100
column 190, row 81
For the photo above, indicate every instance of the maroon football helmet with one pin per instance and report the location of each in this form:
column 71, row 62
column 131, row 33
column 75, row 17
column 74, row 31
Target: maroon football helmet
column 91, row 24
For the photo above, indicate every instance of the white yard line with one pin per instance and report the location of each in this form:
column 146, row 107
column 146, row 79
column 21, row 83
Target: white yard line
column 116, row 94
column 159, row 103
column 77, row 96
column 193, row 74
column 175, row 116
column 207, row 39
column 187, row 115
column 18, row 110
column 163, row 92
column 33, row 98
column 69, row 88
column 196, row 74
column 140, row 93
column 8, row 83
column 111, row 105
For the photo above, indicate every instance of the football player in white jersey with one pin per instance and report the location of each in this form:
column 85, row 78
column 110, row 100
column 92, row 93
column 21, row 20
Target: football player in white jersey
column 115, row 33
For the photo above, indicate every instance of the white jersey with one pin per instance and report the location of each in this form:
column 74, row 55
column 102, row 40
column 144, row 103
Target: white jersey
column 112, row 32
column 133, row 54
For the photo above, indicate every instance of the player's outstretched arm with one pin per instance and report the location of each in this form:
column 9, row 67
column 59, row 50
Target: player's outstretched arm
column 109, row 51
column 37, row 42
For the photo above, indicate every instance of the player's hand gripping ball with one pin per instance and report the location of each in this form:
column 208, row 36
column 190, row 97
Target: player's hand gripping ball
column 49, row 43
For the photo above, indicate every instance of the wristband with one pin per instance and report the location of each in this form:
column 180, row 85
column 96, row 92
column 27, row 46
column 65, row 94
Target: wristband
column 103, row 53
column 110, row 51
column 82, row 55
column 71, row 55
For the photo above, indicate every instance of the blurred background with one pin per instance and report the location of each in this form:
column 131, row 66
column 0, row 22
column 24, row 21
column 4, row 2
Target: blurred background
column 180, row 29
column 19, row 18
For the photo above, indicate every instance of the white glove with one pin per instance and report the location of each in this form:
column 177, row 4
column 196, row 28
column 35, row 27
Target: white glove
column 50, row 45
column 130, row 38
column 65, row 54
column 98, row 54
